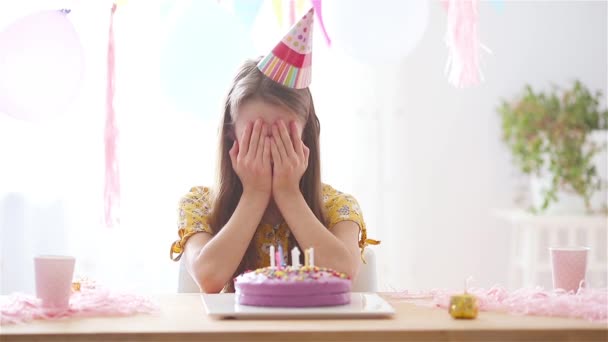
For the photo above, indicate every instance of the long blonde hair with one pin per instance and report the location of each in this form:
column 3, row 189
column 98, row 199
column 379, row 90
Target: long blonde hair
column 249, row 84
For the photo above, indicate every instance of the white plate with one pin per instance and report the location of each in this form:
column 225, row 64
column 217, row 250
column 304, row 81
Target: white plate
column 362, row 305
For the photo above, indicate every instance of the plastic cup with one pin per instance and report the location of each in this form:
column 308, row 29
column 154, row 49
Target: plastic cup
column 569, row 267
column 54, row 280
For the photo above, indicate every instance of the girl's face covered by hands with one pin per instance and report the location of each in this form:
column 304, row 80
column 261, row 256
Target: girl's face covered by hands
column 268, row 113
column 270, row 155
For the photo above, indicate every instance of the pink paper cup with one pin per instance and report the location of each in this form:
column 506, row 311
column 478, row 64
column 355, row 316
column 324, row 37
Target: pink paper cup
column 54, row 280
column 569, row 266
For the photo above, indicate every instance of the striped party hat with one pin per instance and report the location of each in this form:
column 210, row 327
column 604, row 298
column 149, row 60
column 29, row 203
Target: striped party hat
column 289, row 62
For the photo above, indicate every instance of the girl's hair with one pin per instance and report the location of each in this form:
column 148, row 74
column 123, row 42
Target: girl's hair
column 250, row 84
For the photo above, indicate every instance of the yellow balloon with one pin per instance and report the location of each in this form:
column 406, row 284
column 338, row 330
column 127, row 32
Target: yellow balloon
column 121, row 2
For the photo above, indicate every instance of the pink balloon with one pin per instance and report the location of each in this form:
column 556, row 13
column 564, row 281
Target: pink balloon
column 41, row 66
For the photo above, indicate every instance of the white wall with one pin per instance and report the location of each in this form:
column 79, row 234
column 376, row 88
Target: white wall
column 440, row 167
column 424, row 159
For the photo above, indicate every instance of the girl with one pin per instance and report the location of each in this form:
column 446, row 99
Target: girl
column 268, row 190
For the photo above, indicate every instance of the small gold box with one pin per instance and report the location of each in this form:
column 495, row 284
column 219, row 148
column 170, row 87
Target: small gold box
column 463, row 306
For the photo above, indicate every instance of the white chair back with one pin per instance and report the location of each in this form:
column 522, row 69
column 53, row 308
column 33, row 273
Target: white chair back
column 185, row 283
column 366, row 280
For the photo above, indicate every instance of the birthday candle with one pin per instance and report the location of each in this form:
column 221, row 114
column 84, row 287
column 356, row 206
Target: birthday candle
column 271, row 253
column 280, row 261
column 295, row 257
column 277, row 259
column 312, row 256
column 306, row 257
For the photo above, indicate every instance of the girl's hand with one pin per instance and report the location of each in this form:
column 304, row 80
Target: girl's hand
column 290, row 158
column 251, row 159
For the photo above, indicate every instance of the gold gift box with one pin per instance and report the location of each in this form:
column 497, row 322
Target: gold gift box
column 463, row 306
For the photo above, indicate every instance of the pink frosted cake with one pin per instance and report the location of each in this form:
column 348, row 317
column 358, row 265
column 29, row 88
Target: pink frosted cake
column 292, row 287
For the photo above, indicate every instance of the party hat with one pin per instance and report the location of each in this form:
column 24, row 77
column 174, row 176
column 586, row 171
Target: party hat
column 289, row 62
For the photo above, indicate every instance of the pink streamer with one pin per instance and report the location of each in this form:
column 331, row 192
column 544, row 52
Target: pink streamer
column 112, row 175
column 589, row 304
column 462, row 39
column 292, row 12
column 90, row 301
column 316, row 4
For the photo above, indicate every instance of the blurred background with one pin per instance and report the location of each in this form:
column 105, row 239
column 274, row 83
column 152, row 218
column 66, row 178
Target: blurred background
column 428, row 162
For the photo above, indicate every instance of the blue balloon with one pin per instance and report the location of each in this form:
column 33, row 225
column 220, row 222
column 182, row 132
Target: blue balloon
column 247, row 11
column 499, row 5
column 201, row 54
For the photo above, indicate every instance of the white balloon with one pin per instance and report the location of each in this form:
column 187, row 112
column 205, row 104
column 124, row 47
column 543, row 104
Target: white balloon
column 376, row 31
column 41, row 66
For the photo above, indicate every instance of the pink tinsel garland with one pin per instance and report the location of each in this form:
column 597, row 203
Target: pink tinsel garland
column 90, row 301
column 589, row 304
column 112, row 173
column 462, row 39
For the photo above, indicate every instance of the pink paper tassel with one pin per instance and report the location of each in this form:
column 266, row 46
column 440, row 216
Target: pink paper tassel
column 462, row 40
column 589, row 304
column 90, row 301
column 112, row 175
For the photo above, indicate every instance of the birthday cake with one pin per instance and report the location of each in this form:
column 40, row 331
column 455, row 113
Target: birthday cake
column 292, row 286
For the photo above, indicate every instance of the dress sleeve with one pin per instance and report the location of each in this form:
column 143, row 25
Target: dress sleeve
column 193, row 217
column 344, row 207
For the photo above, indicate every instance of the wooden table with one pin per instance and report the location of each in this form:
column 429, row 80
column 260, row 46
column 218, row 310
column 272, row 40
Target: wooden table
column 182, row 318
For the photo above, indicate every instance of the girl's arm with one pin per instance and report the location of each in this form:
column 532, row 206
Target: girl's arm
column 338, row 248
column 212, row 261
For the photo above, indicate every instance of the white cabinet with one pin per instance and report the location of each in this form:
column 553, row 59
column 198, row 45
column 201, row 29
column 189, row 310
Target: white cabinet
column 532, row 235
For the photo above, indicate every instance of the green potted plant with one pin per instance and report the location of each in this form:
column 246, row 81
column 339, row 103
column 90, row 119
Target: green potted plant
column 559, row 139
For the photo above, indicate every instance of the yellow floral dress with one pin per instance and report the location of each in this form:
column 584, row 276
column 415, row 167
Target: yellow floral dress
column 195, row 208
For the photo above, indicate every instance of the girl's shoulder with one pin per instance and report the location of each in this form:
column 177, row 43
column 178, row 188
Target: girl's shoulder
column 332, row 196
column 340, row 206
column 200, row 190
column 328, row 191
column 198, row 196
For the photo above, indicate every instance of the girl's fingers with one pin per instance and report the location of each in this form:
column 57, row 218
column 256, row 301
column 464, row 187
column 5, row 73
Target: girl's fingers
column 266, row 158
column 286, row 139
column 278, row 141
column 276, row 156
column 296, row 140
column 260, row 151
column 245, row 138
column 234, row 151
column 255, row 136
column 306, row 154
